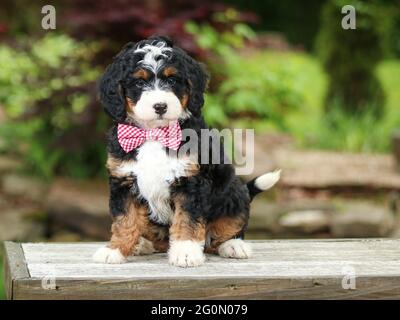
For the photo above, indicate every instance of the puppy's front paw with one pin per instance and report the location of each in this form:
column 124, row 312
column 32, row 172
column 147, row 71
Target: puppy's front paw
column 108, row 255
column 186, row 253
column 235, row 248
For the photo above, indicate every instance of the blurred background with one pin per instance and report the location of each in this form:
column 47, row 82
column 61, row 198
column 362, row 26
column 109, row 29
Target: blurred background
column 324, row 101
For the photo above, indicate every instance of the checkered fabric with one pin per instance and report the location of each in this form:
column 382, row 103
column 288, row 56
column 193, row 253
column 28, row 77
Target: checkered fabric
column 130, row 137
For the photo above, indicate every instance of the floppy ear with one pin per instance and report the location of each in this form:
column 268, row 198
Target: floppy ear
column 198, row 80
column 110, row 90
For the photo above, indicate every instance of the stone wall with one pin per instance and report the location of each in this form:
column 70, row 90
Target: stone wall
column 325, row 207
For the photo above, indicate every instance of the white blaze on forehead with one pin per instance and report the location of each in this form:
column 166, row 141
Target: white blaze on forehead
column 154, row 55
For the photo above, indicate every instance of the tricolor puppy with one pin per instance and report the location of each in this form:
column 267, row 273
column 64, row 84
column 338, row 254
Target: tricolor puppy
column 162, row 202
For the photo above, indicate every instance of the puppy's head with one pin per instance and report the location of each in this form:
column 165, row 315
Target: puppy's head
column 151, row 83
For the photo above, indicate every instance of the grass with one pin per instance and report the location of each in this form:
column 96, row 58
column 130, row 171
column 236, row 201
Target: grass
column 306, row 124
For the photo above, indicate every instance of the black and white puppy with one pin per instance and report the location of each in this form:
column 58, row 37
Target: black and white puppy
column 160, row 202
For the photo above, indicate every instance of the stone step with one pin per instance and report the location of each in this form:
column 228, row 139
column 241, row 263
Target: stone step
column 325, row 169
column 82, row 207
column 22, row 224
column 24, row 187
column 330, row 218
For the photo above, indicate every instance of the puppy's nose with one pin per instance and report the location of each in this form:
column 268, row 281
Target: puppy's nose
column 160, row 108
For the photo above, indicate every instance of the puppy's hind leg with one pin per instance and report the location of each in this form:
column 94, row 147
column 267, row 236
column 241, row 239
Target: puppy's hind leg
column 225, row 238
column 154, row 239
column 235, row 248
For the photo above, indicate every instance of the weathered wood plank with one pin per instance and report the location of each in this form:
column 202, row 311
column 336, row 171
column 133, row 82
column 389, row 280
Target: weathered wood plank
column 280, row 269
column 235, row 288
column 14, row 266
column 272, row 259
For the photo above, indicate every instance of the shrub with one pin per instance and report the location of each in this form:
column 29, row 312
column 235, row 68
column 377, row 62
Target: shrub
column 47, row 94
column 350, row 57
column 244, row 91
column 314, row 128
column 120, row 21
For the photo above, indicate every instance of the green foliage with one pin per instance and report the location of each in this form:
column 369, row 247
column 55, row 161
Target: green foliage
column 47, row 94
column 297, row 21
column 350, row 57
column 222, row 43
column 285, row 91
column 342, row 132
column 248, row 92
column 312, row 128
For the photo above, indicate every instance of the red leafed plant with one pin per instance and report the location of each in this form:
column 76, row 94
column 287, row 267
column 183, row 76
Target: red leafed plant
column 121, row 21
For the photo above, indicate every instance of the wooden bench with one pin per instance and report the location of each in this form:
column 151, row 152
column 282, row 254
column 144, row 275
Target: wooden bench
column 279, row 269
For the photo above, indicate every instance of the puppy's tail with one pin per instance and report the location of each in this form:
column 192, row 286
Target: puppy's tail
column 263, row 182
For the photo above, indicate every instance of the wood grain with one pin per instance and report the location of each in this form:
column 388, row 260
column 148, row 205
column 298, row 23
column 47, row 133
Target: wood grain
column 14, row 266
column 280, row 269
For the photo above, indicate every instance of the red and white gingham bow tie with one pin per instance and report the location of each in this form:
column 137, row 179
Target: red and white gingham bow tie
column 130, row 137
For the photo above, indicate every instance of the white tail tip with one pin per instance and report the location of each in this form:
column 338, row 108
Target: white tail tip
column 268, row 180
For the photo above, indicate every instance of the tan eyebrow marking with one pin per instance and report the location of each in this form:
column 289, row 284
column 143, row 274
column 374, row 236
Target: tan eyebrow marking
column 169, row 71
column 141, row 74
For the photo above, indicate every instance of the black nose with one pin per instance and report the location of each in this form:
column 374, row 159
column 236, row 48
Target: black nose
column 160, row 108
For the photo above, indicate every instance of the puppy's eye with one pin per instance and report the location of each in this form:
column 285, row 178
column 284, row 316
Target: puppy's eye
column 171, row 80
column 140, row 83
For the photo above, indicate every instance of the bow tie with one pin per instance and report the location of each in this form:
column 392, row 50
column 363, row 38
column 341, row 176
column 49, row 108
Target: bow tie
column 130, row 137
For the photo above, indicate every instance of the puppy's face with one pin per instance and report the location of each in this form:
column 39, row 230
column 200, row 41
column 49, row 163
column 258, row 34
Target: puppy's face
column 154, row 82
column 157, row 91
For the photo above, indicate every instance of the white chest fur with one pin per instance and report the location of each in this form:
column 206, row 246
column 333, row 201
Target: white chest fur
column 155, row 171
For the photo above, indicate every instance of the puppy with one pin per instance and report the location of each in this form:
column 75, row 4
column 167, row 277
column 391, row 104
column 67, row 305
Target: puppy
column 162, row 202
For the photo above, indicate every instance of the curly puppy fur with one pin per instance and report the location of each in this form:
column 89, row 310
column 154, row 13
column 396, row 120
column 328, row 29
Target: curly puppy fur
column 180, row 205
